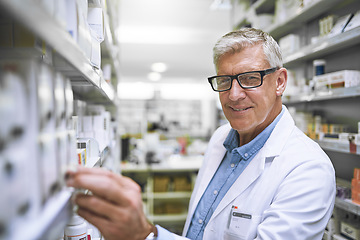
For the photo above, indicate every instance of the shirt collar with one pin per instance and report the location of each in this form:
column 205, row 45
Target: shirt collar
column 246, row 151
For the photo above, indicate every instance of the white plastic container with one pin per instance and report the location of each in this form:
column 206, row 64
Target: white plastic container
column 76, row 229
column 319, row 66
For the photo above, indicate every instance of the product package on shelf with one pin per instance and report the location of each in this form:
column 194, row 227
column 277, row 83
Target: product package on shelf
column 344, row 78
column 354, row 22
column 355, row 186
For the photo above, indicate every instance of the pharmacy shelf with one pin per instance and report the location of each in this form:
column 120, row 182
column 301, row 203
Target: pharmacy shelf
column 51, row 222
column 347, row 205
column 171, row 195
column 304, row 15
column 336, row 145
column 323, row 47
column 177, row 164
column 331, row 94
column 168, row 218
column 88, row 83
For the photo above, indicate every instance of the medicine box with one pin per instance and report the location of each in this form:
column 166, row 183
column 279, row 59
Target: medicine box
column 59, row 92
column 95, row 19
column 81, row 156
column 344, row 78
column 350, row 230
column 161, row 183
column 338, row 237
column 354, row 22
column 289, row 44
column 72, row 19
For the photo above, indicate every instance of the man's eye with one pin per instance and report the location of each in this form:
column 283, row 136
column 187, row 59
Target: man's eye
column 222, row 80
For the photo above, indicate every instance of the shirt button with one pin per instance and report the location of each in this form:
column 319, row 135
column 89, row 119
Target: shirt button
column 200, row 221
column 246, row 155
column 232, row 165
column 215, row 192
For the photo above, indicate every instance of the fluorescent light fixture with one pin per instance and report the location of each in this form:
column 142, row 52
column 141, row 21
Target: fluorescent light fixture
column 221, row 5
column 159, row 67
column 138, row 90
column 155, row 34
column 154, row 76
column 186, row 91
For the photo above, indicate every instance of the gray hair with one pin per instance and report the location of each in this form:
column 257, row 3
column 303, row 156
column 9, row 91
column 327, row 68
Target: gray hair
column 235, row 41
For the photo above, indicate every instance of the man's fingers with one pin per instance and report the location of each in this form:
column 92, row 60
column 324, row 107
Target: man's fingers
column 95, row 220
column 95, row 205
column 109, row 218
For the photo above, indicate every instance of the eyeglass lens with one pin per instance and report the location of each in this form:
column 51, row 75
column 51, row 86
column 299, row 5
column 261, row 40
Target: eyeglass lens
column 246, row 80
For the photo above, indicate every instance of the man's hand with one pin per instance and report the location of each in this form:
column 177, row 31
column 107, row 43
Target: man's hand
column 115, row 206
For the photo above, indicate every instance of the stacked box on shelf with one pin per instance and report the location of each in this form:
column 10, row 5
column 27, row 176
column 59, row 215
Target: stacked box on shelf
column 344, row 78
column 355, row 186
column 161, row 183
column 181, row 184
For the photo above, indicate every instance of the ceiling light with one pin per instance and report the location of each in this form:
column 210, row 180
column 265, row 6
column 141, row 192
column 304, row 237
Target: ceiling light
column 221, row 5
column 159, row 67
column 156, row 34
column 137, row 90
column 154, row 76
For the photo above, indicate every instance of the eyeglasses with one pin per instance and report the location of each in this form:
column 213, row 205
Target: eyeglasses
column 246, row 80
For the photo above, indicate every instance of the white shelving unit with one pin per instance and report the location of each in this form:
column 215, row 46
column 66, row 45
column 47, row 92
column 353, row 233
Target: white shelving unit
column 348, row 205
column 301, row 17
column 324, row 47
column 337, row 146
column 88, row 82
column 336, row 93
column 53, row 218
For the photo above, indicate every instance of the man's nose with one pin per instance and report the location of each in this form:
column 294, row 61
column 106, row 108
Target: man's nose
column 236, row 91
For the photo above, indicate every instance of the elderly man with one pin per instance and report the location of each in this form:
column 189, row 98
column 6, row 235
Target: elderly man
column 262, row 178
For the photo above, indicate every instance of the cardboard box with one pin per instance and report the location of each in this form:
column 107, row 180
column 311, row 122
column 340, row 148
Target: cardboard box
column 181, row 184
column 72, row 18
column 161, row 183
column 289, row 44
column 95, row 19
column 84, row 36
column 59, row 92
column 350, row 230
column 81, row 156
column 354, row 22
column 344, row 78
column 95, row 58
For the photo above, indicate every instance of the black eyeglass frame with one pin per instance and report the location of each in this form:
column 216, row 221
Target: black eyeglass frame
column 262, row 74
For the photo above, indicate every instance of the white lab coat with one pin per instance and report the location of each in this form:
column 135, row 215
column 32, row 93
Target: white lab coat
column 288, row 189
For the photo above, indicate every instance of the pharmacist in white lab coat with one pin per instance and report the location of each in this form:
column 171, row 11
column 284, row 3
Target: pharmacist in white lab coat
column 262, row 178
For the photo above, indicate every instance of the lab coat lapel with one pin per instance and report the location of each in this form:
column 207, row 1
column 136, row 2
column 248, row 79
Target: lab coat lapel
column 249, row 175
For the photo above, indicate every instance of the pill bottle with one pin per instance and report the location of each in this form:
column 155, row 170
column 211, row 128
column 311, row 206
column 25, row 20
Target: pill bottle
column 319, row 66
column 76, row 229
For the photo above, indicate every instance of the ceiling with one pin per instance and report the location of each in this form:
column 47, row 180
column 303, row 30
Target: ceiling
column 179, row 33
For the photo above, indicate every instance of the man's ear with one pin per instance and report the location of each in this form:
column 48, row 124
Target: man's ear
column 281, row 81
